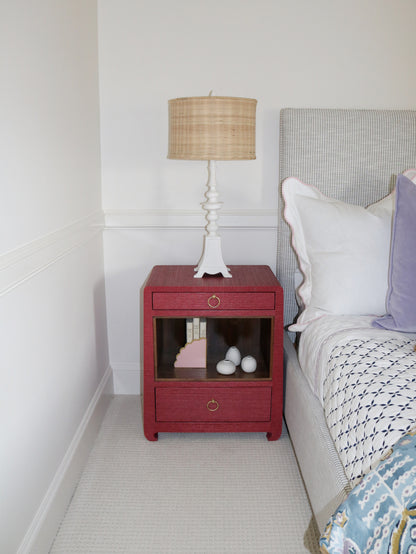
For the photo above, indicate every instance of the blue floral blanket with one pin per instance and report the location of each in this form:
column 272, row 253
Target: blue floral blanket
column 379, row 515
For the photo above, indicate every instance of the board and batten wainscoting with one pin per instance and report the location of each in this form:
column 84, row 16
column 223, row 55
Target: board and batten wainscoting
column 57, row 381
column 136, row 240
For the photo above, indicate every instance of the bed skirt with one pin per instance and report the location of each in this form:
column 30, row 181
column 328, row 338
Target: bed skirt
column 322, row 471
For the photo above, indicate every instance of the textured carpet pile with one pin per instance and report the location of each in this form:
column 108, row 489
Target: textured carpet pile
column 187, row 493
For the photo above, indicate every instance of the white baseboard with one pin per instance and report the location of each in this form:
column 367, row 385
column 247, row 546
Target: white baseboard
column 45, row 524
column 126, row 378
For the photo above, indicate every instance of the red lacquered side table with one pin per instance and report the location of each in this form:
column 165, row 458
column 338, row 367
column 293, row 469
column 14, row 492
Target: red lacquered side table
column 188, row 326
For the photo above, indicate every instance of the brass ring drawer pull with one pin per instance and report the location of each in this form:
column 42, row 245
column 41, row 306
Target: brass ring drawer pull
column 213, row 405
column 214, row 301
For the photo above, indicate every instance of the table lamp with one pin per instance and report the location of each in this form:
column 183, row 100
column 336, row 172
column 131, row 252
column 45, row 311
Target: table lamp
column 212, row 128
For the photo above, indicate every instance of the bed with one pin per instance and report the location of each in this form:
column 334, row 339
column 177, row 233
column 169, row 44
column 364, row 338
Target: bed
column 352, row 156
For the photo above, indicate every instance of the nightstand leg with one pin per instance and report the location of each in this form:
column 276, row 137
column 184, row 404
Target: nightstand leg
column 273, row 436
column 151, row 436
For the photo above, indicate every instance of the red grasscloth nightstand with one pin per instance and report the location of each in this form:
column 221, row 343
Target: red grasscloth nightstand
column 245, row 311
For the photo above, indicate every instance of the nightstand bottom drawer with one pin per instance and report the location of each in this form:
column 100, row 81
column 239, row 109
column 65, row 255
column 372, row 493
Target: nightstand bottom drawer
column 213, row 404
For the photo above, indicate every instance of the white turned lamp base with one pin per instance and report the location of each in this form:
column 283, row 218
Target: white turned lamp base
column 211, row 261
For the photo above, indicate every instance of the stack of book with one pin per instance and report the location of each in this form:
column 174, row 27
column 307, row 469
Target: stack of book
column 196, row 328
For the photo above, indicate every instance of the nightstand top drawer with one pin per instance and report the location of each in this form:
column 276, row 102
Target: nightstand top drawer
column 213, row 301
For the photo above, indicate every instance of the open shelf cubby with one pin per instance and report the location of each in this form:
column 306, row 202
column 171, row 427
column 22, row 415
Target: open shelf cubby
column 251, row 335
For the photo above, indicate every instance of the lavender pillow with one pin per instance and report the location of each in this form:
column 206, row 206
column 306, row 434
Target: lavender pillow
column 401, row 295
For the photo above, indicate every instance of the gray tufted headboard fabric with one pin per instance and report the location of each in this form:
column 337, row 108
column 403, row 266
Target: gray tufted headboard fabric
column 353, row 155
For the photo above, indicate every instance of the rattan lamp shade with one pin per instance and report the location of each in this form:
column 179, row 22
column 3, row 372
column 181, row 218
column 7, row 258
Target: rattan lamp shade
column 212, row 128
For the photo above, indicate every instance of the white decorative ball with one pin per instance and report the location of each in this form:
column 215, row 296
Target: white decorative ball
column 233, row 354
column 248, row 364
column 225, row 367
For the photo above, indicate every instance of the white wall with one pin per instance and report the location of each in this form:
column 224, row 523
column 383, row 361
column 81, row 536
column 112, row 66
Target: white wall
column 53, row 345
column 285, row 53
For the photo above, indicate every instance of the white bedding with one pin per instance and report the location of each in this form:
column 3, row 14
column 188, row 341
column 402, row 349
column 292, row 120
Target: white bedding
column 365, row 379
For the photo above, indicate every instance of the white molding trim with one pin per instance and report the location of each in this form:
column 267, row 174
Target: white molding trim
column 21, row 264
column 45, row 524
column 188, row 219
column 126, row 377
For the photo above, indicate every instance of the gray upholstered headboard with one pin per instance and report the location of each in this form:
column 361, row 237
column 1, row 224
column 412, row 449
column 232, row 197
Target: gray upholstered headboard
column 352, row 155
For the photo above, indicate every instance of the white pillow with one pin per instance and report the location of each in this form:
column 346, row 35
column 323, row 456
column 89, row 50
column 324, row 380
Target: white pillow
column 343, row 252
column 410, row 174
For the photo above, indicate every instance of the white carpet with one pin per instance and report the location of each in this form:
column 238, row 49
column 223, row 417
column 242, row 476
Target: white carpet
column 187, row 493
